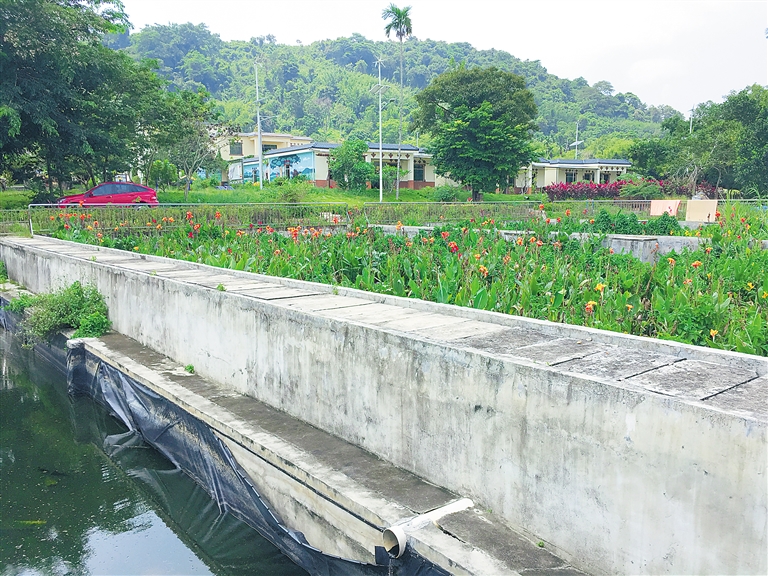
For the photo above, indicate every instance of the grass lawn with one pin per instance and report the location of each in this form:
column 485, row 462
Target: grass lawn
column 306, row 193
column 11, row 199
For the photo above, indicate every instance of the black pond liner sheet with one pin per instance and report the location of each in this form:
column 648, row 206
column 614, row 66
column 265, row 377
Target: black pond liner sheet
column 192, row 446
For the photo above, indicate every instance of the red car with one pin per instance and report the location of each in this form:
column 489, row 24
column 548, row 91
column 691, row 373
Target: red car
column 113, row 193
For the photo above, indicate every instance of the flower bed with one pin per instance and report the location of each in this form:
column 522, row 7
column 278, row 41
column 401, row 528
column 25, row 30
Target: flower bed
column 716, row 296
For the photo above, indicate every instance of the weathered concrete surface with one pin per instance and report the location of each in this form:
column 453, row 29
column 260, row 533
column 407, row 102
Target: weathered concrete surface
column 616, row 468
column 337, row 494
column 646, row 248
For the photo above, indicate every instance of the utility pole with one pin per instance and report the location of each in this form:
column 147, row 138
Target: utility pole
column 258, row 127
column 690, row 127
column 577, row 142
column 380, row 88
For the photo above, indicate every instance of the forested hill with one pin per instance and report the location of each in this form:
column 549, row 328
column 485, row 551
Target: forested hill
column 323, row 89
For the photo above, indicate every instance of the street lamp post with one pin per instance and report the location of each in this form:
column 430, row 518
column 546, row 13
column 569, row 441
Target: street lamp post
column 380, row 88
column 258, row 127
column 576, row 143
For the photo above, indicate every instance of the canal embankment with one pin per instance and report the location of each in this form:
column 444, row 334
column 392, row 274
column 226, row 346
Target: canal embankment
column 618, row 453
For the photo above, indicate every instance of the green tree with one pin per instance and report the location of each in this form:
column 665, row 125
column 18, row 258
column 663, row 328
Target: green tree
column 162, row 173
column 481, row 122
column 749, row 108
column 197, row 132
column 50, row 57
column 348, row 166
column 400, row 23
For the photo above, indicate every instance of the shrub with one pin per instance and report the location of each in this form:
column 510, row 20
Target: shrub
column 75, row 306
column 583, row 191
column 445, row 193
column 642, row 190
column 662, row 225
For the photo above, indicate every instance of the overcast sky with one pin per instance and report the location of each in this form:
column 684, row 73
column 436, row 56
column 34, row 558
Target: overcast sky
column 676, row 52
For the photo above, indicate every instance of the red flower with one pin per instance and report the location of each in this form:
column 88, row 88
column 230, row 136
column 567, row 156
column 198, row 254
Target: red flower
column 445, row 235
column 191, row 234
column 453, row 247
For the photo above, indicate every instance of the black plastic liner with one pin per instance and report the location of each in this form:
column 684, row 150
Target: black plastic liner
column 55, row 351
column 192, row 446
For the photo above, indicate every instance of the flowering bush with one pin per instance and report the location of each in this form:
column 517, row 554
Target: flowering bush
column 583, row 191
column 715, row 296
column 642, row 188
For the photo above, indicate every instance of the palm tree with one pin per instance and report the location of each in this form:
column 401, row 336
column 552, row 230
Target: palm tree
column 400, row 22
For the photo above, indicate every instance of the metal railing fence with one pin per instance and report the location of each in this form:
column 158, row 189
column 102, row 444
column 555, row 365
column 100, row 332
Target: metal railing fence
column 131, row 219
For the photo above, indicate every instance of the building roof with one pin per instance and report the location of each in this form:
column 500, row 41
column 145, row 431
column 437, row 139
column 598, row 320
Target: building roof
column 392, row 147
column 299, row 148
column 274, row 135
column 372, row 147
column 570, row 162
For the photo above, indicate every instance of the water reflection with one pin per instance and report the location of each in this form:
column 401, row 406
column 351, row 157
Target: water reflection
column 80, row 495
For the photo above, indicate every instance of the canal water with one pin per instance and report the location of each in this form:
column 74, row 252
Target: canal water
column 81, row 495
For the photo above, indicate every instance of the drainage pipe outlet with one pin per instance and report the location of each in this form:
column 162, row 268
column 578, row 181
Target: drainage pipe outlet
column 395, row 541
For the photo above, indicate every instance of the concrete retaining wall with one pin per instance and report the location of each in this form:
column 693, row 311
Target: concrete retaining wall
column 617, row 479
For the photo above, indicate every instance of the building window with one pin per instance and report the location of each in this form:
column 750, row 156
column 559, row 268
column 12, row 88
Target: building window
column 589, row 176
column 235, row 148
column 266, row 147
column 605, row 177
column 570, row 176
column 418, row 172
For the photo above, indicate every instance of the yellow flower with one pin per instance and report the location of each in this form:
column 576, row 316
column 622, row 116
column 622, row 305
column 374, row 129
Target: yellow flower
column 600, row 287
column 671, row 261
column 713, row 333
column 750, row 285
column 765, row 294
column 629, row 307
